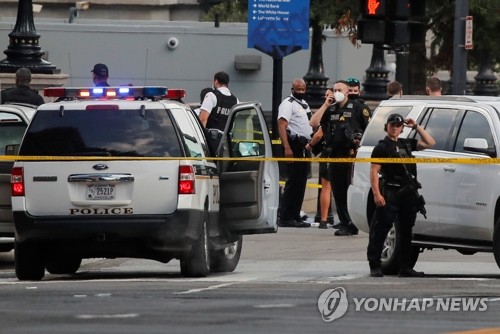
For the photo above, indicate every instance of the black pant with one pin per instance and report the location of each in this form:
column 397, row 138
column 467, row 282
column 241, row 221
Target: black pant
column 295, row 186
column 340, row 178
column 400, row 209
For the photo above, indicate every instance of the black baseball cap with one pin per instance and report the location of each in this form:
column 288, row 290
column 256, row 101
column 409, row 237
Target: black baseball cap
column 395, row 118
column 100, row 69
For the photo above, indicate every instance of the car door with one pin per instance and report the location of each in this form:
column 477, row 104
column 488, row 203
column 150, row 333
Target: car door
column 249, row 183
column 468, row 198
column 440, row 122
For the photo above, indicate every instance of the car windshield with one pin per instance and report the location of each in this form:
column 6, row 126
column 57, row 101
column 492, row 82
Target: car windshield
column 375, row 130
column 103, row 132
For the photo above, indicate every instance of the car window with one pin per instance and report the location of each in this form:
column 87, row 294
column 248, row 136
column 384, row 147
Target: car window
column 474, row 125
column 12, row 129
column 440, row 125
column 375, row 130
column 191, row 137
column 106, row 132
column 246, row 127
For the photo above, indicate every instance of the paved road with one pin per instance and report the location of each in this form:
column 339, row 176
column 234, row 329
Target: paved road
column 275, row 288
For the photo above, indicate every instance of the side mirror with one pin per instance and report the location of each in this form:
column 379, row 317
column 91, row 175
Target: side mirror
column 248, row 149
column 12, row 149
column 479, row 145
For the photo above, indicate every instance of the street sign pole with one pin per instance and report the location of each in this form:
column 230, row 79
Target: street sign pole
column 277, row 89
column 459, row 74
column 278, row 28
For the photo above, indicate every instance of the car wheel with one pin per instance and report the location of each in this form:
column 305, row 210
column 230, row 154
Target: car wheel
column 226, row 260
column 496, row 242
column 6, row 247
column 63, row 265
column 196, row 262
column 390, row 253
column 29, row 261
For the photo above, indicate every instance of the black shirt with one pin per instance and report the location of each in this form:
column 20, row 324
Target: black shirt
column 402, row 148
column 22, row 94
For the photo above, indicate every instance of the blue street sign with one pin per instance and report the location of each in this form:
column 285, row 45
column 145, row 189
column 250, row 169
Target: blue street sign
column 278, row 27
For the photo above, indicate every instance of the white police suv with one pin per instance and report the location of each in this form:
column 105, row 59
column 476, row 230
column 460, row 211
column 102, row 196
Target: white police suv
column 126, row 172
column 14, row 119
column 463, row 200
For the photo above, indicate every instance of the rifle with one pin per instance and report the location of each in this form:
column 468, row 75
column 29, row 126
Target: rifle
column 414, row 185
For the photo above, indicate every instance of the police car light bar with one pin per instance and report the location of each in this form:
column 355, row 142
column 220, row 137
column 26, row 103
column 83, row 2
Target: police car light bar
column 175, row 94
column 105, row 92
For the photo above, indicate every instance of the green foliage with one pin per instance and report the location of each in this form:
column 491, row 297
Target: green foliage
column 228, row 11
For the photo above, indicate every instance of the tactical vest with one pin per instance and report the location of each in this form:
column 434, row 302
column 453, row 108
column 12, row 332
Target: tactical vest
column 396, row 172
column 338, row 128
column 218, row 116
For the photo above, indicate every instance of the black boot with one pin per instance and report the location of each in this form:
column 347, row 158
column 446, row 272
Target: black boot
column 409, row 272
column 376, row 272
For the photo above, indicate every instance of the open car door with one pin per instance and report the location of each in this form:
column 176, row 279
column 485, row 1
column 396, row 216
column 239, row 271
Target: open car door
column 249, row 193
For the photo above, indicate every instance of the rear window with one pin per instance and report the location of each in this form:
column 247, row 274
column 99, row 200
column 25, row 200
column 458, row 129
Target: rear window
column 375, row 130
column 12, row 129
column 105, row 132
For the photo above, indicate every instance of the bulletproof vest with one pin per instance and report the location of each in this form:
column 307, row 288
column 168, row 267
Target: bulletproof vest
column 338, row 130
column 397, row 172
column 218, row 116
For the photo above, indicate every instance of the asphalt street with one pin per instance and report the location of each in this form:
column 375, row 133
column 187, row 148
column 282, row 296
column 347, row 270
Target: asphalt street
column 295, row 281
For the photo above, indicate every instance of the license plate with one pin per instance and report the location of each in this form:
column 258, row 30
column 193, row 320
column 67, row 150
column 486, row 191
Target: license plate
column 106, row 191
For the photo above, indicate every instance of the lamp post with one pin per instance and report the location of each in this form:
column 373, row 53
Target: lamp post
column 377, row 76
column 24, row 49
column 315, row 77
column 486, row 82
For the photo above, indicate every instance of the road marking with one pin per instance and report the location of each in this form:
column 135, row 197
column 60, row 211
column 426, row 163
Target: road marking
column 213, row 287
column 107, row 316
column 275, row 305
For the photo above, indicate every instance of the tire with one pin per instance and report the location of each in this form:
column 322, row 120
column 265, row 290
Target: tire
column 196, row 262
column 391, row 250
column 227, row 259
column 6, row 247
column 63, row 265
column 29, row 261
column 496, row 242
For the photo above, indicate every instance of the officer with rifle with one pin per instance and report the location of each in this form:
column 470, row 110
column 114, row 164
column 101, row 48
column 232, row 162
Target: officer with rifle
column 395, row 192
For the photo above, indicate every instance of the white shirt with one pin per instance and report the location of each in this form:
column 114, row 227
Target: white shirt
column 210, row 100
column 297, row 117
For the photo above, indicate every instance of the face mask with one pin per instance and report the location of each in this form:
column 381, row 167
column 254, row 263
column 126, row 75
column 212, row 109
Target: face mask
column 353, row 96
column 339, row 96
column 299, row 96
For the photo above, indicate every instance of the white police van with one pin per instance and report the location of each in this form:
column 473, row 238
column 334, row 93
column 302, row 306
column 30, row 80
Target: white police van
column 462, row 200
column 122, row 172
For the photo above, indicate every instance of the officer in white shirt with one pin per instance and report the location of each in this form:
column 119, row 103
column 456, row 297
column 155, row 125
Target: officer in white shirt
column 295, row 132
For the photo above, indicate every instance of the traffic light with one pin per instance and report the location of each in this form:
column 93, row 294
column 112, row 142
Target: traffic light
column 391, row 22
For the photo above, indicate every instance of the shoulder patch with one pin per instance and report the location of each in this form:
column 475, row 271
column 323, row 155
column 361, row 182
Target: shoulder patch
column 366, row 113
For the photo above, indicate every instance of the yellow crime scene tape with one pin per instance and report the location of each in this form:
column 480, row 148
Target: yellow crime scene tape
column 463, row 161
column 313, row 159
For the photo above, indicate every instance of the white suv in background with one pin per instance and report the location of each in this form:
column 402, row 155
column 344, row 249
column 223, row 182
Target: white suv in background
column 14, row 119
column 121, row 172
column 463, row 200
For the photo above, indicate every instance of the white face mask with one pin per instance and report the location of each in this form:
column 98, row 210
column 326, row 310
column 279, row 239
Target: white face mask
column 339, row 96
